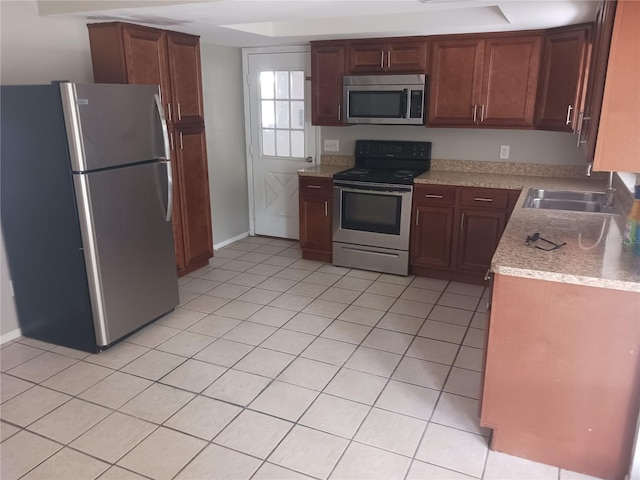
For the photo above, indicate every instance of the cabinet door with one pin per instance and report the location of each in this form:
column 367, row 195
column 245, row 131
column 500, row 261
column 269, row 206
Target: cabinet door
column 480, row 232
column 431, row 236
column 327, row 70
column 315, row 223
column 193, row 177
column 186, row 83
column 510, row 79
column 367, row 57
column 176, row 212
column 146, row 60
column 561, row 78
column 590, row 118
column 456, row 79
column 407, row 56
column 394, row 56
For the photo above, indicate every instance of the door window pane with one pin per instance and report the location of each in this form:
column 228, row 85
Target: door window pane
column 266, row 84
column 282, row 113
column 282, row 84
column 297, row 114
column 282, row 143
column 268, row 115
column 297, row 143
column 269, row 142
column 297, row 84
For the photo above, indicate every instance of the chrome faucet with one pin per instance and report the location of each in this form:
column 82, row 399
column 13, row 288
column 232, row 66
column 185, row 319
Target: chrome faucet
column 610, row 191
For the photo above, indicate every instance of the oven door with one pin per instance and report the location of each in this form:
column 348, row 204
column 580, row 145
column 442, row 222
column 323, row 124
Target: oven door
column 372, row 214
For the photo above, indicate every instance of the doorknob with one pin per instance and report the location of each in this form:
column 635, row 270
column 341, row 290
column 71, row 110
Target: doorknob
column 309, row 159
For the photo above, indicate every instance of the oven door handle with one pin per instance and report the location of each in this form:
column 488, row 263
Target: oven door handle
column 381, row 191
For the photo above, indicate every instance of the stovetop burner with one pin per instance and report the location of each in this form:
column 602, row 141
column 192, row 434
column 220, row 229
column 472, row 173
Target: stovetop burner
column 388, row 162
column 358, row 171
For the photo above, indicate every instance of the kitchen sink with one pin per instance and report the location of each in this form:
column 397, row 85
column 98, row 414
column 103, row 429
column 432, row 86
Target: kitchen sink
column 574, row 201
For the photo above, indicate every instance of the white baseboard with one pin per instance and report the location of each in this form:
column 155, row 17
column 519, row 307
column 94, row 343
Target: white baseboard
column 12, row 335
column 230, row 241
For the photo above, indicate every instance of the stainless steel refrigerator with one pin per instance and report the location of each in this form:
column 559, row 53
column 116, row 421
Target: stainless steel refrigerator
column 86, row 199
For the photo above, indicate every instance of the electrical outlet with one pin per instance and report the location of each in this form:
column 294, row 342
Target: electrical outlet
column 331, row 145
column 504, row 152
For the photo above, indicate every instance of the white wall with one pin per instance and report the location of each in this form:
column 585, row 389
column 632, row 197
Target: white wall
column 224, row 120
column 526, row 146
column 36, row 49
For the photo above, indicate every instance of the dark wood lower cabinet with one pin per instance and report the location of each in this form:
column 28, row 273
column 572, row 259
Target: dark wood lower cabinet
column 456, row 230
column 315, row 202
column 432, row 236
column 480, row 232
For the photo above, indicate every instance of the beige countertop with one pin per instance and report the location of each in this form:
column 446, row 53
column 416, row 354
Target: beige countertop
column 322, row 170
column 593, row 254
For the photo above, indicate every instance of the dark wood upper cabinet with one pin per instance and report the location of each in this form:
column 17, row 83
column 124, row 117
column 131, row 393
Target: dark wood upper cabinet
column 388, row 56
column 126, row 53
column 186, row 78
column 488, row 81
column 510, row 81
column 327, row 69
column 589, row 118
column 564, row 64
column 455, row 81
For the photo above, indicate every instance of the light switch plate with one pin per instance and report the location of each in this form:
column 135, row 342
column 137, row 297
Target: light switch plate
column 504, row 152
column 331, row 145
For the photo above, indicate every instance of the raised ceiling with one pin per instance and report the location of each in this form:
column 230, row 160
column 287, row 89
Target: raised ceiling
column 254, row 23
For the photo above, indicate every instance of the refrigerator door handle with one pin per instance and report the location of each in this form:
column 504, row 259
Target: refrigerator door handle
column 165, row 131
column 167, row 217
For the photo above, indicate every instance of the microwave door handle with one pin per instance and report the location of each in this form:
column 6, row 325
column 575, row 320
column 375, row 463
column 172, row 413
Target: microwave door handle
column 405, row 104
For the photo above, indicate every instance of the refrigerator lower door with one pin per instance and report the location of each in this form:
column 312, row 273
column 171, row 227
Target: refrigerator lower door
column 128, row 247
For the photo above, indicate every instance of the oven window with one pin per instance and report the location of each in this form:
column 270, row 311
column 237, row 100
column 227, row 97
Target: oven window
column 377, row 104
column 369, row 212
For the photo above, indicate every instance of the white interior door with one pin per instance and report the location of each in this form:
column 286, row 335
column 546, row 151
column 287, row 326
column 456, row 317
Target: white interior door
column 282, row 138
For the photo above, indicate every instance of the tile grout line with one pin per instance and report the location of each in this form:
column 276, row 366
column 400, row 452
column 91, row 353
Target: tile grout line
column 333, row 319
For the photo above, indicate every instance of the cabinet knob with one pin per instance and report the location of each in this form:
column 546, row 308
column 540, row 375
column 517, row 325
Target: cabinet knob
column 475, row 112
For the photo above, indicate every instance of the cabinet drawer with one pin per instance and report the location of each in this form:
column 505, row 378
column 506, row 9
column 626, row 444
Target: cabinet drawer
column 484, row 197
column 316, row 186
column 434, row 195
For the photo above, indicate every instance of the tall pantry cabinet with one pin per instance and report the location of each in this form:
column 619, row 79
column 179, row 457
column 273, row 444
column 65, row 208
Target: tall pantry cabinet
column 126, row 53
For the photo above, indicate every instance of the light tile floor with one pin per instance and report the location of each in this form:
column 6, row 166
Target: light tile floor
column 272, row 367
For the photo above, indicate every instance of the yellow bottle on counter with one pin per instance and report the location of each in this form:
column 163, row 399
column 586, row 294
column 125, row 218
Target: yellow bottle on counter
column 632, row 227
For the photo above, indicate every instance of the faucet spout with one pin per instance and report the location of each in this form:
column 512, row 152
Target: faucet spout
column 610, row 191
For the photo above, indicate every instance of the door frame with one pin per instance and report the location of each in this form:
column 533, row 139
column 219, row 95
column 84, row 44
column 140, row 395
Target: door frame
column 247, row 116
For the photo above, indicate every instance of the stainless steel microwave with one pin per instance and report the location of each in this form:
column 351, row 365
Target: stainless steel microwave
column 384, row 99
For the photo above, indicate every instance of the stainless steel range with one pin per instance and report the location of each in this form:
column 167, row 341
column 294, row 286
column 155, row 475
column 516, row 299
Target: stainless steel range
column 372, row 205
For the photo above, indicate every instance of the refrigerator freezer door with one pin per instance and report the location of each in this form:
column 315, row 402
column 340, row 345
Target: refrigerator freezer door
column 113, row 125
column 128, row 246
